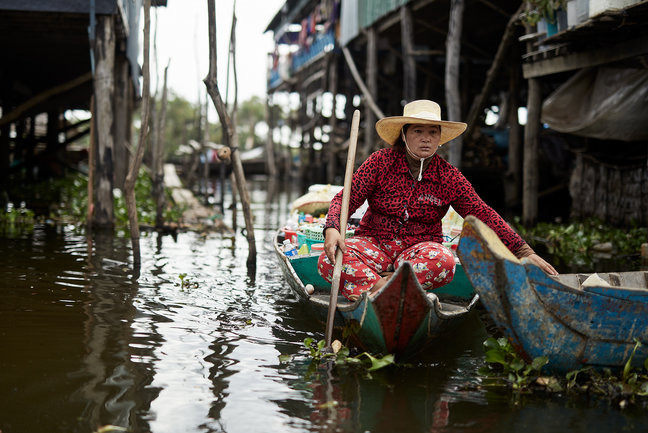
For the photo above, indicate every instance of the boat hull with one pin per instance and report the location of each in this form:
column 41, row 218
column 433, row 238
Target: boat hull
column 400, row 319
column 573, row 326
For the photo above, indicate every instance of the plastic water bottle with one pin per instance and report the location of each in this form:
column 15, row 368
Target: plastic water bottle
column 289, row 249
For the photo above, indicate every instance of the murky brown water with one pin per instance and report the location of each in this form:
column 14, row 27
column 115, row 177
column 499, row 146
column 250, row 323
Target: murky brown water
column 85, row 343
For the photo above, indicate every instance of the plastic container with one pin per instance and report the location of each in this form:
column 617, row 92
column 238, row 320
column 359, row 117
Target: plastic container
column 289, row 249
column 317, row 248
column 577, row 12
column 291, row 235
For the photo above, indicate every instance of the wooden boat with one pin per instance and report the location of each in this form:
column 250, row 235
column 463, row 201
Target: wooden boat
column 576, row 320
column 400, row 319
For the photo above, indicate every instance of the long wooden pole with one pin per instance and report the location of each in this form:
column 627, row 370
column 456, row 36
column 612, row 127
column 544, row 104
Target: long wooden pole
column 500, row 56
column 136, row 159
column 453, row 56
column 358, row 79
column 211, row 82
column 344, row 217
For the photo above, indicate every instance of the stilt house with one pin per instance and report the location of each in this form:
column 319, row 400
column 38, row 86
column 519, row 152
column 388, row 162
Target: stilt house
column 499, row 66
column 60, row 55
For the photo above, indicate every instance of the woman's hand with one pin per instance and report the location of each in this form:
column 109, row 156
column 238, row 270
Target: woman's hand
column 332, row 241
column 542, row 264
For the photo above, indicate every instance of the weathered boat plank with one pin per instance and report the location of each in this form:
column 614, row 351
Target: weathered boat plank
column 575, row 323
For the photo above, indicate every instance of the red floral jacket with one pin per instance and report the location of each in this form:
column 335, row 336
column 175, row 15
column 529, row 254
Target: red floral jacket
column 401, row 206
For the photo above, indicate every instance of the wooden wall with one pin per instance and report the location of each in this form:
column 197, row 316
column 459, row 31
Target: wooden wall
column 615, row 194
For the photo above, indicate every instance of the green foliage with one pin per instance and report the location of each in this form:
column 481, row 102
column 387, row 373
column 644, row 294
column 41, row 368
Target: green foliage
column 546, row 9
column 507, row 368
column 319, row 353
column 14, row 222
column 573, row 243
column 146, row 207
column 504, row 362
column 250, row 113
column 186, row 283
column 183, row 124
column 72, row 204
column 622, row 388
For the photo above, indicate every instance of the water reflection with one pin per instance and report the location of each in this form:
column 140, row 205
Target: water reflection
column 86, row 342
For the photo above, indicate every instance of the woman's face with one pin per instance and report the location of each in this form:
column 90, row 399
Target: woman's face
column 423, row 140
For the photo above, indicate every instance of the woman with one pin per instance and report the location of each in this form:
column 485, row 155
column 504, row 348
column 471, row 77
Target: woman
column 409, row 188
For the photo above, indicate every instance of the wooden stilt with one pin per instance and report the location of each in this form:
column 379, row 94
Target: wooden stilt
column 211, row 82
column 271, row 164
column 530, row 186
column 453, row 53
column 158, row 158
column 358, row 79
column 104, row 87
column 409, row 64
column 136, row 159
column 91, row 163
column 514, row 175
column 331, row 166
column 478, row 104
column 372, row 88
column 122, row 121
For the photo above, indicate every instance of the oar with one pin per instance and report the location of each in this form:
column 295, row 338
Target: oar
column 344, row 217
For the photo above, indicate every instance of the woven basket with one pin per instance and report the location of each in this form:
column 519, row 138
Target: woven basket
column 316, row 233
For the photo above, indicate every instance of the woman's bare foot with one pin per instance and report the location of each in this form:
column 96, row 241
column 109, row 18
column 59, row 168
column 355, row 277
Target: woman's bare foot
column 385, row 276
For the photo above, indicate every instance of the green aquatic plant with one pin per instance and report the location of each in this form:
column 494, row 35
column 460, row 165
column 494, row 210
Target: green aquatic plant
column 69, row 201
column 577, row 243
column 341, row 355
column 15, row 221
column 186, row 283
column 505, row 363
column 506, row 368
column 621, row 387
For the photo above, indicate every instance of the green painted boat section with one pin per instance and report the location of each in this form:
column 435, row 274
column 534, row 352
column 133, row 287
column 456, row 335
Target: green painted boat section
column 459, row 286
column 370, row 335
column 306, row 268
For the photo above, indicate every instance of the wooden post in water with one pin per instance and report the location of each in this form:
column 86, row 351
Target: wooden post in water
column 158, row 158
column 91, row 164
column 271, row 164
column 211, row 82
column 136, row 159
column 104, row 87
column 531, row 131
column 453, row 53
column 123, row 120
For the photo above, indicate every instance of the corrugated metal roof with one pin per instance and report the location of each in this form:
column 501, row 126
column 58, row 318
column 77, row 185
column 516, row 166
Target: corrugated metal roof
column 369, row 11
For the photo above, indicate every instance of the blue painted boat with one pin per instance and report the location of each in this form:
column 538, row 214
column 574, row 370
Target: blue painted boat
column 400, row 319
column 576, row 320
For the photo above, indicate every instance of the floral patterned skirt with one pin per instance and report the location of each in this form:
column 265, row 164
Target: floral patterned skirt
column 368, row 257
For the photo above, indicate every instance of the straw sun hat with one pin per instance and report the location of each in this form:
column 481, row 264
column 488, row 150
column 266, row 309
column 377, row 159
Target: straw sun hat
column 420, row 112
